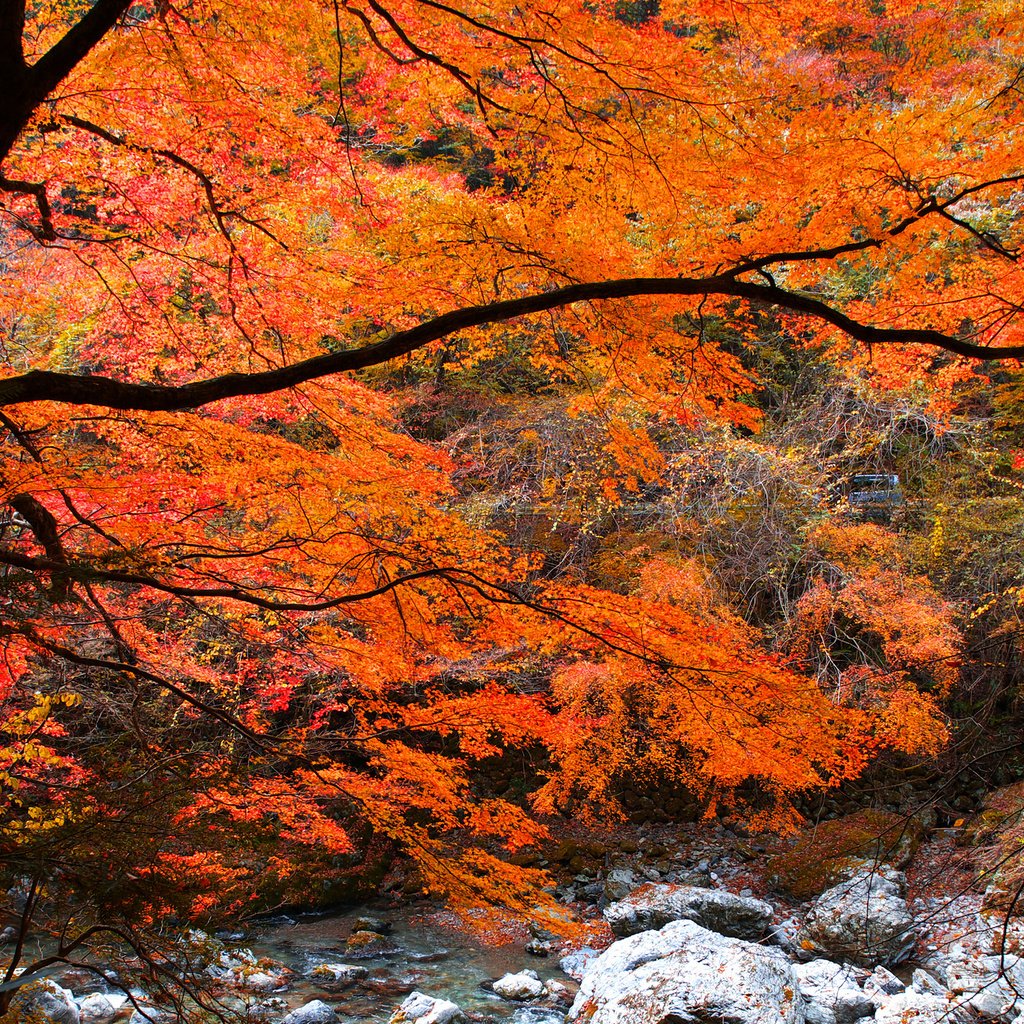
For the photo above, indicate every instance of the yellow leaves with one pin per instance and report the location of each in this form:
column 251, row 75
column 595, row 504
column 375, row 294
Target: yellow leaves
column 31, row 721
column 31, row 751
column 936, row 541
column 856, row 545
column 1016, row 595
column 39, row 821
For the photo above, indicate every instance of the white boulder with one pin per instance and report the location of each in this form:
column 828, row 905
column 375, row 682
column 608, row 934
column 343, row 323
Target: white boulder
column 619, row 883
column 335, row 977
column 520, row 987
column 241, row 968
column 556, row 992
column 653, row 906
column 315, row 1012
column 575, row 963
column 924, row 984
column 832, row 993
column 881, row 983
column 864, row 920
column 100, row 1007
column 684, row 972
column 420, row 1008
column 981, row 965
column 45, row 1002
column 990, row 984
column 912, row 1007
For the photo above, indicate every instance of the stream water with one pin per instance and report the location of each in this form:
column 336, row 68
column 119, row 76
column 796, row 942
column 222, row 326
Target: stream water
column 422, row 952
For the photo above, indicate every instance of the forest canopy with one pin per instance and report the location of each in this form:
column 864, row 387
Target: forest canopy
column 391, row 389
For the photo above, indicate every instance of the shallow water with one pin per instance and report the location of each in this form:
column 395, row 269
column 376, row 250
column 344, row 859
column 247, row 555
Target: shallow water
column 422, row 954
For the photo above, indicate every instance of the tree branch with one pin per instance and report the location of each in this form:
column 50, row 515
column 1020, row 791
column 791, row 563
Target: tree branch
column 220, row 214
column 44, row 526
column 45, row 232
column 61, row 59
column 23, row 88
column 49, row 386
column 12, row 29
column 87, row 572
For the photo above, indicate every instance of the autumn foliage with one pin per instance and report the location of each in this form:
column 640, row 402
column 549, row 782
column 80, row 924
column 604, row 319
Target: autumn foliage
column 261, row 617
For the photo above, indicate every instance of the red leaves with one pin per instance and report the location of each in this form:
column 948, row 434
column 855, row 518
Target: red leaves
column 280, row 607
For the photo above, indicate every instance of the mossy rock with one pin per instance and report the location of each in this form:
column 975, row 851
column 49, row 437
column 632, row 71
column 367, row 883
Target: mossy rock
column 1003, row 810
column 824, row 856
column 997, row 834
column 367, row 943
column 563, row 852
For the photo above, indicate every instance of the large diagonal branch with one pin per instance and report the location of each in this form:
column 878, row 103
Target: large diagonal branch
column 73, row 389
column 12, row 30
column 23, row 87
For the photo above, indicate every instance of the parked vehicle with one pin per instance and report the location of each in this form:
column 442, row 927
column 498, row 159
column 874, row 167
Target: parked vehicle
column 875, row 496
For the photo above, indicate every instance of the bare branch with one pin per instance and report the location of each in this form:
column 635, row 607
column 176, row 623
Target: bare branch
column 45, row 232
column 220, row 214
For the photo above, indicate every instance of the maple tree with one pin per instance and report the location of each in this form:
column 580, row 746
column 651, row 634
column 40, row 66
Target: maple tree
column 222, row 225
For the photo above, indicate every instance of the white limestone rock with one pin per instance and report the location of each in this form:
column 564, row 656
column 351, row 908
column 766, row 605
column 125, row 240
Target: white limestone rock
column 981, row 965
column 556, row 992
column 784, row 934
column 100, row 1007
column 420, row 1008
column 653, row 906
column 519, row 987
column 992, row 985
column 881, row 984
column 314, row 1012
column 335, row 977
column 241, row 968
column 684, row 972
column 832, row 993
column 924, row 984
column 912, row 1007
column 45, row 1002
column 864, row 920
column 619, row 883
column 574, row 964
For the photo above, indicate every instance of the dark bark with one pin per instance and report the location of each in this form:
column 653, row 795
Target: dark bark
column 13, row 73
column 12, row 29
column 44, row 385
column 24, row 87
column 44, row 527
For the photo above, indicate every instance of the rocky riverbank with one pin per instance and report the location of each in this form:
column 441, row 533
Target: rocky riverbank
column 871, row 917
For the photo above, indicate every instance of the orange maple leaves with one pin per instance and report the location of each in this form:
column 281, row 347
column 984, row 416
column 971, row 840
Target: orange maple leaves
column 286, row 589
